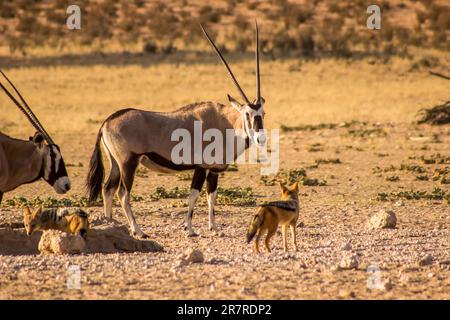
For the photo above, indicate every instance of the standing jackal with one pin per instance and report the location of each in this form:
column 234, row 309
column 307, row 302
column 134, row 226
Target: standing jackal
column 75, row 222
column 268, row 216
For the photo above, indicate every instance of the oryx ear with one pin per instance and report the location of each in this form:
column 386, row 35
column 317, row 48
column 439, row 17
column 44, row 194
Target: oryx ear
column 38, row 139
column 235, row 103
column 262, row 100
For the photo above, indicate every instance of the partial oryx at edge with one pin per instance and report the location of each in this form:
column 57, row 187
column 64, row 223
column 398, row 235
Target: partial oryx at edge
column 131, row 136
column 26, row 161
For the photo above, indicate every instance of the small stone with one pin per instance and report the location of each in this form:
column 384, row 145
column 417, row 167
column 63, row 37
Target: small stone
column 404, row 279
column 426, row 260
column 194, row 256
column 399, row 203
column 346, row 247
column 335, row 268
column 346, row 294
column 387, row 284
column 349, row 262
column 383, row 219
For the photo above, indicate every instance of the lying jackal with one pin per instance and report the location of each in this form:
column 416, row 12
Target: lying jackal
column 268, row 216
column 75, row 222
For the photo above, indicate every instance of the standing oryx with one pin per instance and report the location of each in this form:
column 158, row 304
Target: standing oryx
column 23, row 161
column 131, row 136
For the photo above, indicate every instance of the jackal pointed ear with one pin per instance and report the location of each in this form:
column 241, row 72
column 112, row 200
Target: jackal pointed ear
column 38, row 211
column 295, row 187
column 235, row 103
column 26, row 211
column 38, row 139
column 282, row 185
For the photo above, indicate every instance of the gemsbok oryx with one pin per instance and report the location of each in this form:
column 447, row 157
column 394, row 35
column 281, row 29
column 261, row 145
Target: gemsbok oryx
column 25, row 161
column 131, row 136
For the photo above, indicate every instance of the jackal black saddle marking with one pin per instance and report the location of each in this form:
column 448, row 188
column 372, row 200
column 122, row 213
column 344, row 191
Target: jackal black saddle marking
column 285, row 205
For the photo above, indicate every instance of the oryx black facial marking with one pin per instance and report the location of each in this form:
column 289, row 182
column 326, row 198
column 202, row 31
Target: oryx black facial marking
column 55, row 169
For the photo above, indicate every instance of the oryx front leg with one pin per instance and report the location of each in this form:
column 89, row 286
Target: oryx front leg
column 211, row 190
column 196, row 186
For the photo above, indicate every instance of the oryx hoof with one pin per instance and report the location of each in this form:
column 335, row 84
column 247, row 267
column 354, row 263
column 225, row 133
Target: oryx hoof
column 139, row 234
column 192, row 234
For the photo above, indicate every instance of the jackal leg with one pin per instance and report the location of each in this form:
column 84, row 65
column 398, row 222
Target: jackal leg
column 111, row 186
column 211, row 191
column 294, row 234
column 283, row 232
column 126, row 182
column 270, row 234
column 196, row 186
column 258, row 237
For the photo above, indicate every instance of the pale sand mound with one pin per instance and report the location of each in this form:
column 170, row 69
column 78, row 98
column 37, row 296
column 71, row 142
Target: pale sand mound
column 110, row 239
column 57, row 242
column 17, row 242
column 102, row 239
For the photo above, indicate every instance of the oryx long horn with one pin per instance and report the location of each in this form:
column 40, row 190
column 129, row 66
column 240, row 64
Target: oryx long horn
column 26, row 109
column 226, row 66
column 258, row 77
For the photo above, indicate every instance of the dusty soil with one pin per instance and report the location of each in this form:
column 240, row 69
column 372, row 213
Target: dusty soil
column 332, row 226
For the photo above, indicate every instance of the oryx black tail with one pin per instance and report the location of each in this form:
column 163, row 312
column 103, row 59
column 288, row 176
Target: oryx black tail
column 96, row 173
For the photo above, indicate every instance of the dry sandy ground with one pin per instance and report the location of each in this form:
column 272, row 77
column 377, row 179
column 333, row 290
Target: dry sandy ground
column 333, row 219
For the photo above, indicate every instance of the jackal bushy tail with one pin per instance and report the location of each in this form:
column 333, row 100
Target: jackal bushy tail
column 255, row 224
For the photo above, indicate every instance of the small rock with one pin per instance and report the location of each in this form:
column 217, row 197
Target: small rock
column 349, row 262
column 194, row 256
column 387, row 284
column 399, row 203
column 426, row 260
column 335, row 268
column 346, row 247
column 404, row 279
column 383, row 219
column 346, row 294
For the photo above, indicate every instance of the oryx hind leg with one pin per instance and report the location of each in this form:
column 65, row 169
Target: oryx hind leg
column 111, row 185
column 127, row 171
column 196, row 186
column 211, row 193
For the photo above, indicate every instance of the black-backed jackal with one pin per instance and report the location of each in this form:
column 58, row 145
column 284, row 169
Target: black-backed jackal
column 75, row 222
column 268, row 216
